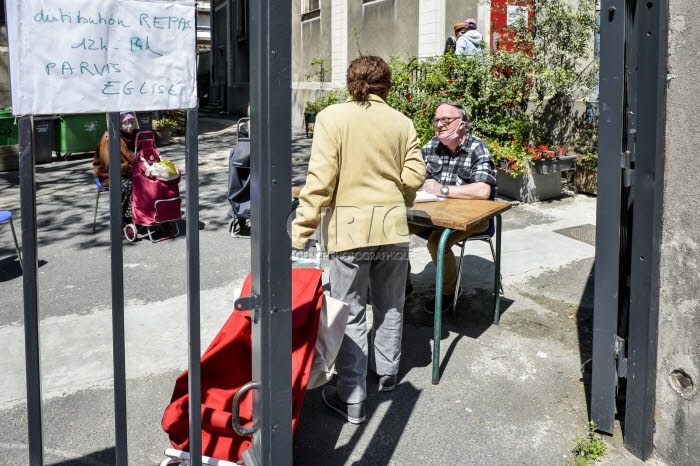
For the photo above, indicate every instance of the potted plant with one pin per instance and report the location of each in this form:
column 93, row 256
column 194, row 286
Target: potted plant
column 586, row 145
column 530, row 173
column 586, row 178
column 162, row 129
column 313, row 107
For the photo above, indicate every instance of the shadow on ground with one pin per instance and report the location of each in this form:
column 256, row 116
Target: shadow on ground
column 318, row 429
column 105, row 457
column 375, row 442
column 10, row 267
column 584, row 326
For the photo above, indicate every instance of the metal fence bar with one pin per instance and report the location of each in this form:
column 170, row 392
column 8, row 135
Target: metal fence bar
column 270, row 77
column 27, row 190
column 607, row 256
column 193, row 296
column 651, row 36
column 117, row 274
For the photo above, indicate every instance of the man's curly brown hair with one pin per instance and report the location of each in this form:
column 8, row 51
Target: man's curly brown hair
column 368, row 75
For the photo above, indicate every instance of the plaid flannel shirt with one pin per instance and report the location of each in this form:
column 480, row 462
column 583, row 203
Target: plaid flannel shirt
column 471, row 162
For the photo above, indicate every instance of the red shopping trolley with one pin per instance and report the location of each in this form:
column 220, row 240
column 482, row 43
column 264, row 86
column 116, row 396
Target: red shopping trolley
column 155, row 197
column 226, row 368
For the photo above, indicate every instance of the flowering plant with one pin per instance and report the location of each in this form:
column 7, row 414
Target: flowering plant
column 516, row 158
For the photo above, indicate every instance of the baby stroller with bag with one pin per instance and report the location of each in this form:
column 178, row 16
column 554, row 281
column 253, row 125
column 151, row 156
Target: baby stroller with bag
column 239, row 181
column 155, row 193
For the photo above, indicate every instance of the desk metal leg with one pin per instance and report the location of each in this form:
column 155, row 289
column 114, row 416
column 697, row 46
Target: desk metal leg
column 437, row 326
column 497, row 288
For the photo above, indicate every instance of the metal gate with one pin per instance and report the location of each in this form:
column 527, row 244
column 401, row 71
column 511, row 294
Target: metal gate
column 270, row 300
column 633, row 57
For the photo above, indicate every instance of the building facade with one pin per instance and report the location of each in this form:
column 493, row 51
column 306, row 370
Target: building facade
column 333, row 31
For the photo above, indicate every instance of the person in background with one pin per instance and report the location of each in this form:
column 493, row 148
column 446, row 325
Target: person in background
column 471, row 42
column 100, row 163
column 366, row 165
column 451, row 42
column 458, row 165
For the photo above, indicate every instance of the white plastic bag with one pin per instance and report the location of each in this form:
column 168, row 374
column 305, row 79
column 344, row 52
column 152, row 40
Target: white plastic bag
column 164, row 170
column 331, row 329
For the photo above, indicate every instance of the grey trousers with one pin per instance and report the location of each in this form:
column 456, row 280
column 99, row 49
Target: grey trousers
column 379, row 271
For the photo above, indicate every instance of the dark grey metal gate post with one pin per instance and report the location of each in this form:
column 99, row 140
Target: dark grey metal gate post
column 193, row 294
column 651, row 18
column 27, row 192
column 270, row 77
column 633, row 71
column 117, row 282
column 607, row 256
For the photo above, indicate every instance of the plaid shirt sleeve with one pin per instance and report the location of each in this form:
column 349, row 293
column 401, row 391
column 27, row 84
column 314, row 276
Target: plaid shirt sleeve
column 431, row 159
column 482, row 166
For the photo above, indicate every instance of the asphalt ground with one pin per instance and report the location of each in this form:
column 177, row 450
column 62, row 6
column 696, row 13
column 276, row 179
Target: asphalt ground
column 514, row 393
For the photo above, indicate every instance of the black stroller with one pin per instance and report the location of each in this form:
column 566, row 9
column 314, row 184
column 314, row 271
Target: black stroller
column 239, row 182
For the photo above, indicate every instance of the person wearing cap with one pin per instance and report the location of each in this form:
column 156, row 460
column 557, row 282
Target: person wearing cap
column 471, row 42
column 100, row 163
column 451, row 42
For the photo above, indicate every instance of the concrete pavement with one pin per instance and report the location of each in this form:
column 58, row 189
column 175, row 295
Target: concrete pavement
column 509, row 394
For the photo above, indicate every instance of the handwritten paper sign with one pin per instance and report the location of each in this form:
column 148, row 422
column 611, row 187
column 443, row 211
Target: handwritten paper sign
column 87, row 56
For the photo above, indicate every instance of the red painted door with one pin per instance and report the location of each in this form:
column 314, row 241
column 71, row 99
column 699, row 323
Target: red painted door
column 503, row 14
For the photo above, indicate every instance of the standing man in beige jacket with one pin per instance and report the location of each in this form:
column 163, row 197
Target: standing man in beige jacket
column 366, row 165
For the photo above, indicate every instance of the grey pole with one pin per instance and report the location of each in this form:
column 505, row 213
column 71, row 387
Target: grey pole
column 117, row 274
column 30, row 290
column 652, row 42
column 193, row 299
column 270, row 77
column 607, row 254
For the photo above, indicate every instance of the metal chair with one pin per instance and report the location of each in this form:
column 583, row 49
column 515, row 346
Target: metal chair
column 6, row 215
column 485, row 236
column 100, row 189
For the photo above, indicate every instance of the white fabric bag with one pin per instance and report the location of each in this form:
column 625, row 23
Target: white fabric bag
column 331, row 329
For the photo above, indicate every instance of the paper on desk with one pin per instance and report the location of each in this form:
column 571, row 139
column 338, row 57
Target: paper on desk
column 424, row 196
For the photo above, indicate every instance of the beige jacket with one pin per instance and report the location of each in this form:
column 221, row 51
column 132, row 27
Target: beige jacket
column 366, row 165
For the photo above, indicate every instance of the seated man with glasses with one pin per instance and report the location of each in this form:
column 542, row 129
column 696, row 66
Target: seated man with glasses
column 459, row 165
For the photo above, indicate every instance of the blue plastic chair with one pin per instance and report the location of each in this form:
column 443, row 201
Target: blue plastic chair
column 6, row 215
column 485, row 236
column 100, row 189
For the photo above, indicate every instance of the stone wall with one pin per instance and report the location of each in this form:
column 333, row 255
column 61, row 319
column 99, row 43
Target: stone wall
column 678, row 369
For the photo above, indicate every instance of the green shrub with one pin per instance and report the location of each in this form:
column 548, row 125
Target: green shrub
column 164, row 124
column 506, row 92
column 589, row 448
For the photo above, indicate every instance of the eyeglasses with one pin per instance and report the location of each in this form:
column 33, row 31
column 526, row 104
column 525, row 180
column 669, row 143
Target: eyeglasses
column 444, row 120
